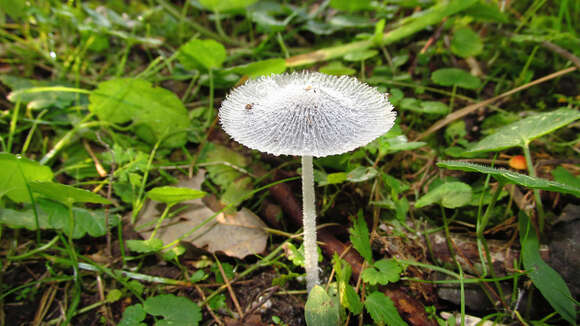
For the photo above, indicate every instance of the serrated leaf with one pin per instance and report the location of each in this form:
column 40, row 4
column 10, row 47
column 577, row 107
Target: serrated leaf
column 382, row 310
column 321, row 309
column 175, row 310
column 66, row 194
column 546, row 279
column 202, row 54
column 512, row 177
column 156, row 112
column 173, row 195
column 449, row 195
column 359, row 236
column 351, row 300
column 466, row 43
column 16, row 172
column 382, row 272
column 455, row 77
column 133, row 316
column 524, row 131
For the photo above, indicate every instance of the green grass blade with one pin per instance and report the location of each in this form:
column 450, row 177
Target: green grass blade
column 512, row 177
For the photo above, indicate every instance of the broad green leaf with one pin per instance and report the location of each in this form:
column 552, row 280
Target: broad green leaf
column 484, row 11
column 14, row 8
column 350, row 21
column 21, row 219
column 39, row 100
column 114, row 295
column 361, row 174
column 226, row 5
column 237, row 191
column 563, row 176
column 174, row 195
column 16, row 172
column 261, row 68
column 546, row 279
column 350, row 6
column 264, row 15
column 223, row 165
column 175, row 310
column 333, row 178
column 156, row 112
column 133, row 316
column 512, row 177
column 427, row 107
column 145, row 246
column 455, row 77
column 228, row 271
column 360, row 55
column 66, row 194
column 202, row 54
column 382, row 272
column 395, row 96
column 449, row 195
column 54, row 215
column 382, row 310
column 336, row 68
column 524, row 131
column 387, row 144
column 359, row 236
column 321, row 309
column 466, row 43
column 91, row 222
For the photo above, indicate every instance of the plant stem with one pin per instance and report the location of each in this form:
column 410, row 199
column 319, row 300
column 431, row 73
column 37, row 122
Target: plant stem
column 532, row 173
column 309, row 223
column 452, row 101
column 163, row 216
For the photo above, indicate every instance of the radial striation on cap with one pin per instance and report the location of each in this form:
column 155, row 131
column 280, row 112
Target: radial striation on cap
column 306, row 113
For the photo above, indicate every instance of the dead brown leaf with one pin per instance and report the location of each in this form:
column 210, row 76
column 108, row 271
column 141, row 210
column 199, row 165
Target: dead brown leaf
column 236, row 235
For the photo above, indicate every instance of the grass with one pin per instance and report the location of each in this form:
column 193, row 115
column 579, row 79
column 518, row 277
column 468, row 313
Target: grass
column 108, row 105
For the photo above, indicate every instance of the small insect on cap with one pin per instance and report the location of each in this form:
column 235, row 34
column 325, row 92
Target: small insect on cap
column 306, row 113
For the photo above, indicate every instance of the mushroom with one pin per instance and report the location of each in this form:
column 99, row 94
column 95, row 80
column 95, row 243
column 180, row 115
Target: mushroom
column 309, row 114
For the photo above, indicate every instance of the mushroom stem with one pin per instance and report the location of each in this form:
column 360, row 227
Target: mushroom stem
column 309, row 223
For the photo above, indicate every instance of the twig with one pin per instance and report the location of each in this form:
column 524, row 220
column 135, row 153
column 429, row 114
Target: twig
column 98, row 166
column 561, row 51
column 207, row 306
column 230, row 289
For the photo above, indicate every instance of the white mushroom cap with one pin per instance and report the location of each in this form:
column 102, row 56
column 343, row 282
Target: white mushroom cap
column 306, row 113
